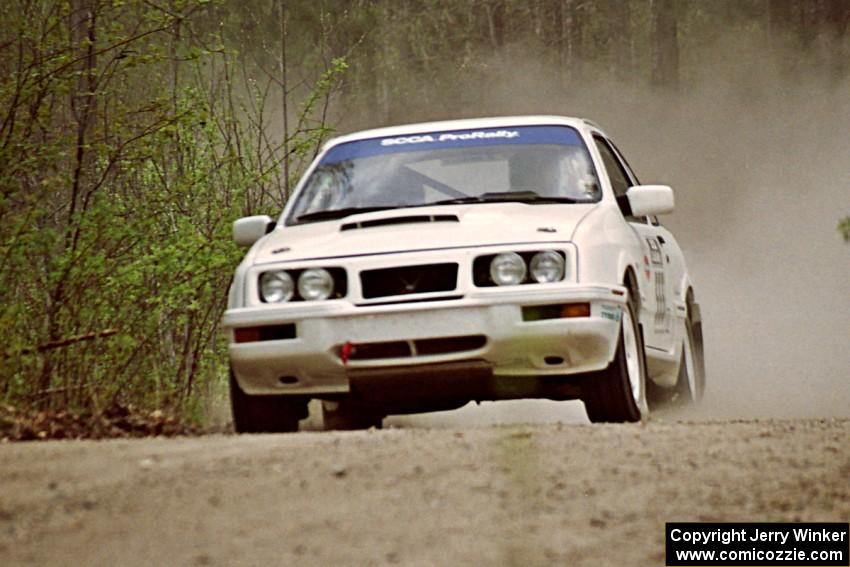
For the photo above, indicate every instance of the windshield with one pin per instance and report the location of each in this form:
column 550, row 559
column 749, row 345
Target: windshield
column 531, row 164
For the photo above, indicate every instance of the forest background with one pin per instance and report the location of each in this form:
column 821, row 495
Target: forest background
column 134, row 132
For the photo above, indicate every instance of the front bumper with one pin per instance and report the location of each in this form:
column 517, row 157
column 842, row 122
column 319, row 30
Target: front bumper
column 311, row 363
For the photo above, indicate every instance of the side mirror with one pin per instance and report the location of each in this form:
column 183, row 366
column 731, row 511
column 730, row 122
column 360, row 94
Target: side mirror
column 248, row 230
column 650, row 200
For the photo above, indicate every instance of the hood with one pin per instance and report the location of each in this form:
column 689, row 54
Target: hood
column 422, row 228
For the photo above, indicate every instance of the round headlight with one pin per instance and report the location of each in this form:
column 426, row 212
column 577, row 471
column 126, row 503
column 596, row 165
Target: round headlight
column 547, row 267
column 507, row 268
column 276, row 287
column 315, row 284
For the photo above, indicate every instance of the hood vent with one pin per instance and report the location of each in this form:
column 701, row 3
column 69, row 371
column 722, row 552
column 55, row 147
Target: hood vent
column 399, row 220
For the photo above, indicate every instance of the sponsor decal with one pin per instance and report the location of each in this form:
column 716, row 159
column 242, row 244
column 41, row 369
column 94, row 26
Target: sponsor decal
column 612, row 312
column 655, row 252
column 449, row 136
column 662, row 320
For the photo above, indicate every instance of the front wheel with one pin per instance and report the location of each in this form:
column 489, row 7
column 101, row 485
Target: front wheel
column 618, row 393
column 264, row 414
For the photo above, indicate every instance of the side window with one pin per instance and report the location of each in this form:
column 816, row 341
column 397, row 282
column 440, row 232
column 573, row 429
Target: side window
column 618, row 176
column 625, row 162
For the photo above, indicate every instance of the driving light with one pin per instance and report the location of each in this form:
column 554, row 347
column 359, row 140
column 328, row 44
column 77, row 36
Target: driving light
column 507, row 268
column 547, row 267
column 315, row 284
column 276, row 287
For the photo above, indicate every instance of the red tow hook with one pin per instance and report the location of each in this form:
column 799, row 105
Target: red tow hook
column 346, row 351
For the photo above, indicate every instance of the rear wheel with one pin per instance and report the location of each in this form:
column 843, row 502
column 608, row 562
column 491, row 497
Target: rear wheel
column 618, row 393
column 264, row 414
column 348, row 415
column 694, row 359
column 690, row 382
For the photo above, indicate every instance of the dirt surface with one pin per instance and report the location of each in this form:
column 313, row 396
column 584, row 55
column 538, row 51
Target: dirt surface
column 519, row 494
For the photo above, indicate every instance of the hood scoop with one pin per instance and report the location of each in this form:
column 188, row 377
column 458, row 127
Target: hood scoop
column 410, row 219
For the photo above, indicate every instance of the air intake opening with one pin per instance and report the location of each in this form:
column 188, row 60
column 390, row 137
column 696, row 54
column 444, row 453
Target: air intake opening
column 449, row 344
column 414, row 348
column 409, row 219
column 373, row 351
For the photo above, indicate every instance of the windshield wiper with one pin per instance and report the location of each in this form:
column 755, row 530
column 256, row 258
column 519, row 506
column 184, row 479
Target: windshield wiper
column 510, row 196
column 330, row 214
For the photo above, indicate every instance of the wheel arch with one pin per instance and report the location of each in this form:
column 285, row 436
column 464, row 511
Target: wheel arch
column 691, row 304
column 629, row 280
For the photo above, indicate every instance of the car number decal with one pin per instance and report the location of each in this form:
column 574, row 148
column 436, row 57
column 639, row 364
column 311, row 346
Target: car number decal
column 662, row 320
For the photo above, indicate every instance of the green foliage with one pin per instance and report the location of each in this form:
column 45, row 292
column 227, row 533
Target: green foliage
column 844, row 228
column 128, row 145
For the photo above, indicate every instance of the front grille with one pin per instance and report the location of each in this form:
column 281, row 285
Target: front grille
column 408, row 280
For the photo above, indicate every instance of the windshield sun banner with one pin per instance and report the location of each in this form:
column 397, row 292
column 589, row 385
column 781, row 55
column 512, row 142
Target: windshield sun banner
column 552, row 135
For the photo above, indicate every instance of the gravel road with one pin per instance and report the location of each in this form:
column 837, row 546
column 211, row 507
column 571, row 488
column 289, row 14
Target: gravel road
column 517, row 494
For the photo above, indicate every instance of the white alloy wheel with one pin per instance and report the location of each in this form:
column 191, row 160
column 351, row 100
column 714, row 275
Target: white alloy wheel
column 633, row 361
column 618, row 393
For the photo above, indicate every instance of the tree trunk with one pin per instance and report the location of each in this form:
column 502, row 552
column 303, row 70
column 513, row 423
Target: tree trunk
column 284, row 99
column 496, row 21
column 837, row 13
column 83, row 106
column 560, row 39
column 665, row 43
column 620, row 31
column 836, row 17
column 574, row 28
column 811, row 16
column 780, row 15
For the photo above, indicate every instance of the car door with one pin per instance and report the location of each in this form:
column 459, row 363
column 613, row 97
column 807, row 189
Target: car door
column 663, row 249
column 674, row 261
column 656, row 277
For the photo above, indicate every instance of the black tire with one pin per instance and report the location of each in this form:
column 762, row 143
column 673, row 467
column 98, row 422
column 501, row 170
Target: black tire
column 608, row 394
column 694, row 327
column 344, row 415
column 264, row 414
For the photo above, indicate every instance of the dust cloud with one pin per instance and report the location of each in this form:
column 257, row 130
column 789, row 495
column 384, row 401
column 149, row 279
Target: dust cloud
column 756, row 149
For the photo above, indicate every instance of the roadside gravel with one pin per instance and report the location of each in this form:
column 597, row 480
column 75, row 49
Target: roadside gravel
column 539, row 494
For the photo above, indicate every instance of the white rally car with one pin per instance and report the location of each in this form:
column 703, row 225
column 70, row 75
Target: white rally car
column 417, row 268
